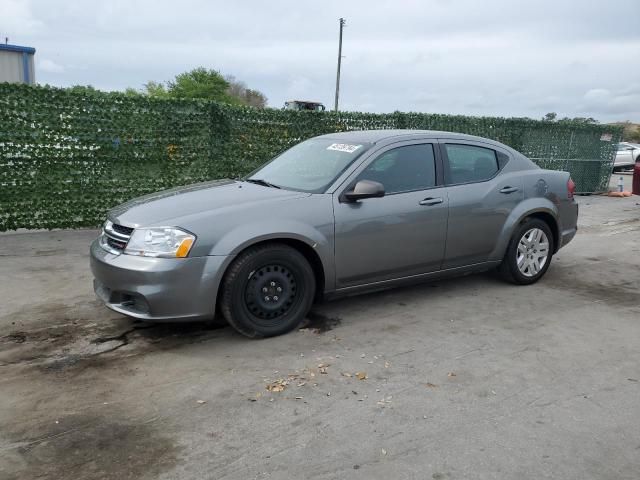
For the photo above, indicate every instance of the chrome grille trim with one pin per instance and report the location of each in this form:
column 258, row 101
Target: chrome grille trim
column 116, row 236
column 111, row 238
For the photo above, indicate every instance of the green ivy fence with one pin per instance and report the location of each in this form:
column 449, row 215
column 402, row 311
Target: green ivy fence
column 66, row 158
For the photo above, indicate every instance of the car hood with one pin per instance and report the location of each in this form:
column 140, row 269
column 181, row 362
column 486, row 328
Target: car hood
column 170, row 207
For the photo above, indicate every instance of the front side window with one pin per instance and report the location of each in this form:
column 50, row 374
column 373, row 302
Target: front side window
column 310, row 166
column 403, row 169
column 468, row 163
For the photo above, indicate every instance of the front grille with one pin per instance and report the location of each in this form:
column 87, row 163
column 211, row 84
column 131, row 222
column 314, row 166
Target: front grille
column 122, row 229
column 115, row 244
column 115, row 237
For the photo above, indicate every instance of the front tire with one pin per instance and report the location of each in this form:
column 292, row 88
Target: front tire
column 267, row 291
column 529, row 253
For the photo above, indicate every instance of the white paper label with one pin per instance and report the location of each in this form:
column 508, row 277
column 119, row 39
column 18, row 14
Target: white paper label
column 343, row 147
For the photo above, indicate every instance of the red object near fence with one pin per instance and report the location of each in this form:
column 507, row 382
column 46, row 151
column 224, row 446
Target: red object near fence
column 636, row 179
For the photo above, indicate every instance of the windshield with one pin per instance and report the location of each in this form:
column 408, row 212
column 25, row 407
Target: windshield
column 310, row 166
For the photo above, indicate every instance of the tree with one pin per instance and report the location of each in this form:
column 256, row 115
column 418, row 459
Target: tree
column 254, row 98
column 156, row 89
column 205, row 83
column 200, row 83
column 238, row 89
column 550, row 117
column 132, row 92
column 631, row 132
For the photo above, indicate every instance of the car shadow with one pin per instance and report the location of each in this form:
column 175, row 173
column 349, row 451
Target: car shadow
column 323, row 317
column 91, row 337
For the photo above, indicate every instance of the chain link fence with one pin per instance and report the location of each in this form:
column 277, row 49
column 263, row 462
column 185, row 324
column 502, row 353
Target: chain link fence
column 66, row 157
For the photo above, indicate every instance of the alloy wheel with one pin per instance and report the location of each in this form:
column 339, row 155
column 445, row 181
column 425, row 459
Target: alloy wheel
column 533, row 252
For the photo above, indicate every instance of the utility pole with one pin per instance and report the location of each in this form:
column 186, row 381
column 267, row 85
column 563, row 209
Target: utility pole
column 342, row 22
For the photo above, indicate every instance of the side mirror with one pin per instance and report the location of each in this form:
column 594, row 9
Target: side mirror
column 364, row 189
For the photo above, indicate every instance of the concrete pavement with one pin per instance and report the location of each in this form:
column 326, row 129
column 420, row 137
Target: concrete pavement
column 465, row 378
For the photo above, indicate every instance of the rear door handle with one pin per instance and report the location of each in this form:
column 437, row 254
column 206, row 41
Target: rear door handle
column 431, row 201
column 509, row 189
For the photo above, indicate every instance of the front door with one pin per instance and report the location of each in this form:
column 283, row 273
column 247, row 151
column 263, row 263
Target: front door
column 400, row 234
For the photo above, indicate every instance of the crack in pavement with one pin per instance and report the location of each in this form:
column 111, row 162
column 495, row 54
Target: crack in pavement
column 122, row 337
column 69, row 358
column 73, row 349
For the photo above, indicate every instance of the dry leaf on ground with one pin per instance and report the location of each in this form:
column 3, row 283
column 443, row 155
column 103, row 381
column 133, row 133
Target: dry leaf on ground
column 277, row 386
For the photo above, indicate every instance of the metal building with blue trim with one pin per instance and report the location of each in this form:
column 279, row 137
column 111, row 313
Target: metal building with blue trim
column 16, row 64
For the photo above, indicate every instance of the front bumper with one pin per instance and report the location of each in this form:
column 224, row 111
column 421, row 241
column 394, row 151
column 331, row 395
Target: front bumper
column 157, row 288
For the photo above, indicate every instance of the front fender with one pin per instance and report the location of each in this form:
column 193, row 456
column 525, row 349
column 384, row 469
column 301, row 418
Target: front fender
column 522, row 210
column 243, row 236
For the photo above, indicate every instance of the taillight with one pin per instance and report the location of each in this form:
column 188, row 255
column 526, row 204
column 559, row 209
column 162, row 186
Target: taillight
column 571, row 188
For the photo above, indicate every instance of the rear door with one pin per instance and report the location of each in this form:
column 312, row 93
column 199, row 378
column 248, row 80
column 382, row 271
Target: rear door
column 400, row 234
column 481, row 198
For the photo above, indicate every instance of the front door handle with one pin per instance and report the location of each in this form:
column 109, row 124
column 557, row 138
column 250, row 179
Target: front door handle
column 509, row 189
column 431, row 201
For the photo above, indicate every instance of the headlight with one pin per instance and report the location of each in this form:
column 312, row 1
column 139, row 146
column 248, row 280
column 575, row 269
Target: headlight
column 160, row 242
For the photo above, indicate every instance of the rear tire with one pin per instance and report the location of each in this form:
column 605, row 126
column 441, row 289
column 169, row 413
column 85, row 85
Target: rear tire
column 529, row 253
column 267, row 291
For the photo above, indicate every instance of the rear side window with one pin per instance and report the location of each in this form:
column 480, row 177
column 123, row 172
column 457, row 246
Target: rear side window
column 468, row 163
column 403, row 169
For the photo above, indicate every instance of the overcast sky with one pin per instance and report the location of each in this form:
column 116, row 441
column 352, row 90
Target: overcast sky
column 476, row 57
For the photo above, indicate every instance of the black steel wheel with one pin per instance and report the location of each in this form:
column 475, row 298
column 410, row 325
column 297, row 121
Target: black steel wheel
column 267, row 291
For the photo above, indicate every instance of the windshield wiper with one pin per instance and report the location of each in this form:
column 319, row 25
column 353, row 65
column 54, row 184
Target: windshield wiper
column 259, row 181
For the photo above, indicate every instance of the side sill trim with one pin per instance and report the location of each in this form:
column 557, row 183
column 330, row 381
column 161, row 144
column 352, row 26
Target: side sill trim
column 421, row 276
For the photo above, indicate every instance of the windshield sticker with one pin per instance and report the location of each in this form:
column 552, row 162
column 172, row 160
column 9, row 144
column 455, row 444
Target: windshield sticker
column 343, row 147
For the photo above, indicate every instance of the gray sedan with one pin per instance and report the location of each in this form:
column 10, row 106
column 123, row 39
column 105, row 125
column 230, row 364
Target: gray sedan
column 334, row 215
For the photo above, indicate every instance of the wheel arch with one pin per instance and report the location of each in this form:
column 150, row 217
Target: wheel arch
column 541, row 208
column 551, row 221
column 305, row 248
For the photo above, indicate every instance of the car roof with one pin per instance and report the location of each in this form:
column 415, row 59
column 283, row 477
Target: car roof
column 387, row 136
